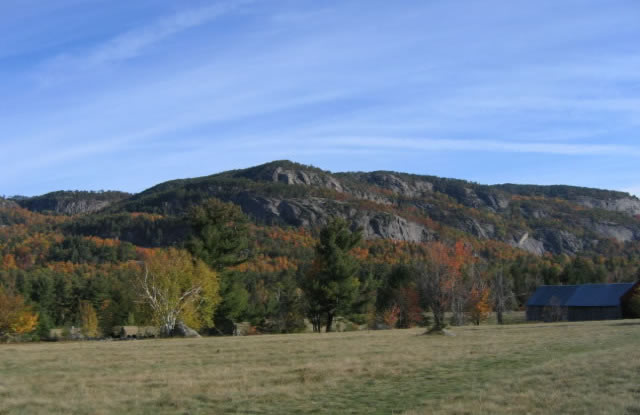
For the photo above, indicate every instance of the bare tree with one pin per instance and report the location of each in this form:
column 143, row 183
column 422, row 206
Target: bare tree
column 431, row 283
column 501, row 293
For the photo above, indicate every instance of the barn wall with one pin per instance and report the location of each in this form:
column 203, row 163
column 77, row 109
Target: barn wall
column 594, row 313
column 547, row 313
column 534, row 313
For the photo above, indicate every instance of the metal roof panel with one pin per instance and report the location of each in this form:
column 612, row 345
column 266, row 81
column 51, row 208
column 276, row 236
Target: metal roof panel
column 552, row 295
column 598, row 295
column 587, row 295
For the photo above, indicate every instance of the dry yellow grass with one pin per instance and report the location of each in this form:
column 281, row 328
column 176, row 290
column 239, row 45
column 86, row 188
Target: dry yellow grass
column 538, row 368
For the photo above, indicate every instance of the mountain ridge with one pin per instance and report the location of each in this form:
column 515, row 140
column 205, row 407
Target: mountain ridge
column 399, row 206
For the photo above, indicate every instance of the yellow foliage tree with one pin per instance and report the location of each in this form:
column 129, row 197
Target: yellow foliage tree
column 175, row 286
column 15, row 316
column 89, row 320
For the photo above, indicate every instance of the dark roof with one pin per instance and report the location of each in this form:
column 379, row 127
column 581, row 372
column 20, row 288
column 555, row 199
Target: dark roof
column 587, row 295
column 552, row 295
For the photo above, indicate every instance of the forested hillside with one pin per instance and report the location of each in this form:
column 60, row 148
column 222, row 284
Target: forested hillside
column 73, row 257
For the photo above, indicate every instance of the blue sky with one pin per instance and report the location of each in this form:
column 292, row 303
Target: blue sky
column 97, row 94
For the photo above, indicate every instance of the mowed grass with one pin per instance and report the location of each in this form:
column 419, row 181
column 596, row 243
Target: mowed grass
column 561, row 368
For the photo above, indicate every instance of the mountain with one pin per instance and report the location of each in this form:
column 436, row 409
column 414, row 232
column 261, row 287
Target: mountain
column 405, row 207
column 390, row 205
column 5, row 203
column 65, row 249
column 71, row 202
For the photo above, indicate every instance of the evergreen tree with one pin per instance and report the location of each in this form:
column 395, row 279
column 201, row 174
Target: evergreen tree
column 332, row 284
column 219, row 234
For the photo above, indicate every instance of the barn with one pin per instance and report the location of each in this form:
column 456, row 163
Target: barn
column 578, row 302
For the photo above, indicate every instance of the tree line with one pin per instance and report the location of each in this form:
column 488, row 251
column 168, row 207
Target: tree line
column 226, row 270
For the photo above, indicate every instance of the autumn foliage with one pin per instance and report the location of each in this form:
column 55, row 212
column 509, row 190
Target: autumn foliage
column 479, row 304
column 15, row 316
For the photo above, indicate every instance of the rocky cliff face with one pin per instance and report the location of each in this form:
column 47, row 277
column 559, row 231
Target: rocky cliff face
column 627, row 205
column 4, row 203
column 73, row 207
column 72, row 202
column 398, row 206
column 387, row 188
column 307, row 178
column 314, row 211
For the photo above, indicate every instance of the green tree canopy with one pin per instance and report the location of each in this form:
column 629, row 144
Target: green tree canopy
column 332, row 285
column 219, row 234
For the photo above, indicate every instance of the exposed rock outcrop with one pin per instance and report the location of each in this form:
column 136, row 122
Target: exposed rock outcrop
column 315, row 211
column 561, row 241
column 72, row 202
column 529, row 244
column 397, row 185
column 4, row 203
column 76, row 207
column 615, row 231
column 308, row 178
column 405, row 207
column 628, row 205
column 393, row 227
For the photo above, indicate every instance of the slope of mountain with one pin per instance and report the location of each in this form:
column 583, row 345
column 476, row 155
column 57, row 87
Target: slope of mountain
column 71, row 202
column 407, row 207
column 5, row 203
column 65, row 249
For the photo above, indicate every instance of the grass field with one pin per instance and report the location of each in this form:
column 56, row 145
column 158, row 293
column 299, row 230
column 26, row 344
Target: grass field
column 561, row 368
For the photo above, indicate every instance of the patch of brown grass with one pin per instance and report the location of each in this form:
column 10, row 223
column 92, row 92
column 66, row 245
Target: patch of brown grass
column 539, row 368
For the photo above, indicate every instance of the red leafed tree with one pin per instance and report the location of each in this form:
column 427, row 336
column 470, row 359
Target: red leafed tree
column 439, row 277
column 460, row 281
column 390, row 316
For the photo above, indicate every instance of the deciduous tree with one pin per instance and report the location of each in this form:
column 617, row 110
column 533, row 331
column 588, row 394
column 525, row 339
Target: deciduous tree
column 89, row 320
column 15, row 316
column 438, row 274
column 175, row 286
column 479, row 303
column 501, row 292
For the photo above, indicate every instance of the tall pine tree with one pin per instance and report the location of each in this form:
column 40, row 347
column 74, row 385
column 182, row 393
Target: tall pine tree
column 332, row 285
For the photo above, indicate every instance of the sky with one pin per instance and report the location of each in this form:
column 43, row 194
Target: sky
column 103, row 94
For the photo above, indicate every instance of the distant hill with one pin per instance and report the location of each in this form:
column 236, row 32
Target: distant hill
column 69, row 248
column 391, row 205
column 71, row 202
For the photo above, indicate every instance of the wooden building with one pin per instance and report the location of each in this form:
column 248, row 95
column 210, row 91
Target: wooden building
column 578, row 302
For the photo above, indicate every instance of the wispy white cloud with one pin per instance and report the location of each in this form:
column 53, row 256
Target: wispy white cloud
column 430, row 144
column 347, row 144
column 338, row 78
column 132, row 43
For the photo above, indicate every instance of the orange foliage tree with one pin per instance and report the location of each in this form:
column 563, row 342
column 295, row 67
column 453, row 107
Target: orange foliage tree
column 438, row 275
column 479, row 304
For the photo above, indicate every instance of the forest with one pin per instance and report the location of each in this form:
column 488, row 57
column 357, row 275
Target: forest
column 104, row 268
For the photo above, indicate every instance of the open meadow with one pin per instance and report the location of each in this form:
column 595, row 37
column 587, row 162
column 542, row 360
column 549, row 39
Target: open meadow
column 557, row 368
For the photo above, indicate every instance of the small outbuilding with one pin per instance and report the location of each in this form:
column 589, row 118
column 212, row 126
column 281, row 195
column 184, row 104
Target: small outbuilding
column 578, row 302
